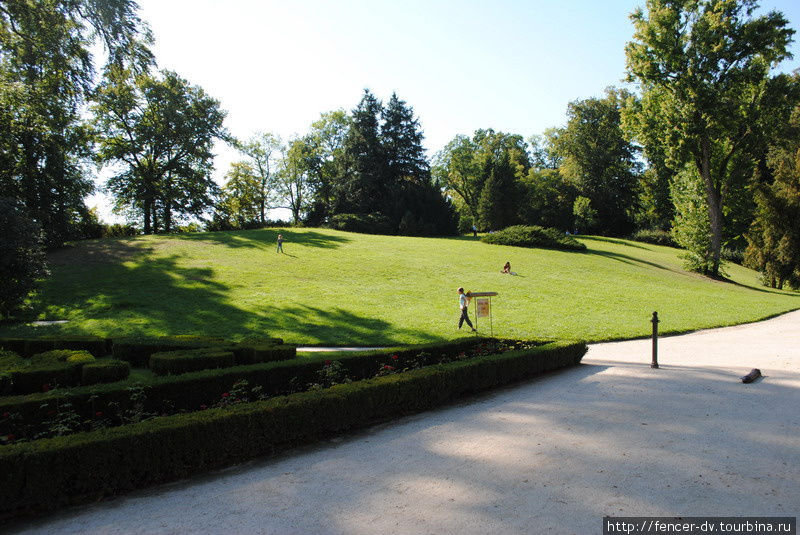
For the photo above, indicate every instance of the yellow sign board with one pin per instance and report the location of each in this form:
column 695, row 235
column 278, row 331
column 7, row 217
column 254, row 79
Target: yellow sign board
column 484, row 307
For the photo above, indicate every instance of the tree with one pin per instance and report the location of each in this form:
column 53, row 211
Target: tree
column 327, row 136
column 296, row 176
column 774, row 238
column 465, row 164
column 600, row 161
column 362, row 188
column 47, row 71
column 264, row 150
column 499, row 202
column 22, row 258
column 706, row 64
column 585, row 215
column 242, row 199
column 161, row 130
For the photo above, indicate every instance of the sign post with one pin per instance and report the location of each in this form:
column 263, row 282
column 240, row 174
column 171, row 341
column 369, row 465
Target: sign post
column 483, row 307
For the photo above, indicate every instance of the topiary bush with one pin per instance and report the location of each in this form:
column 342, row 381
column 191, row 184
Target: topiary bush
column 534, row 236
column 190, row 360
column 104, row 371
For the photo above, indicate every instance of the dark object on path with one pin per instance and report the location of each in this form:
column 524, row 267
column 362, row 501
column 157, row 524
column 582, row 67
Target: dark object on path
column 752, row 376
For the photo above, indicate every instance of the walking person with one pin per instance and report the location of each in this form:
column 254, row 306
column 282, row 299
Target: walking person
column 463, row 303
column 280, row 243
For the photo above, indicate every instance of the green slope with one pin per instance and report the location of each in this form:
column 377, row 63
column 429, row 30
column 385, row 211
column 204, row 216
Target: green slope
column 342, row 288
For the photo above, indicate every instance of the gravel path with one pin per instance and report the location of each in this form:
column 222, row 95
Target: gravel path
column 554, row 455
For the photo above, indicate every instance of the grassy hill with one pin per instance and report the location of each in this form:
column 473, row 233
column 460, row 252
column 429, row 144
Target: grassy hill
column 341, row 288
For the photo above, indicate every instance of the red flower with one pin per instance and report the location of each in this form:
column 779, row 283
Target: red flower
column 11, row 438
column 203, row 407
column 50, row 413
column 98, row 414
column 225, row 394
column 328, row 363
column 387, row 367
column 6, row 414
column 395, row 357
column 45, row 387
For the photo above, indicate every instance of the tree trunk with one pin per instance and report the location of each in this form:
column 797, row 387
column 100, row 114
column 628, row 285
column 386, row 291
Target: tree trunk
column 147, row 215
column 167, row 216
column 714, row 198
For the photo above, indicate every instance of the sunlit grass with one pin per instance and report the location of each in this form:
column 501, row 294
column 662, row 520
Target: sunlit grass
column 341, row 288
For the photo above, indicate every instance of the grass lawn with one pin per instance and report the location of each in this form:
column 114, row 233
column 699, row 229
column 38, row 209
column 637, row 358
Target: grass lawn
column 341, row 288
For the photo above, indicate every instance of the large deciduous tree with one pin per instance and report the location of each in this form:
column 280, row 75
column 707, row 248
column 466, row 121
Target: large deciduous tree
column 160, row 130
column 706, row 65
column 600, row 161
column 47, row 70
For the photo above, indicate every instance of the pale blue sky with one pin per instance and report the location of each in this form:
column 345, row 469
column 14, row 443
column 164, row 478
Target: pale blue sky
column 462, row 65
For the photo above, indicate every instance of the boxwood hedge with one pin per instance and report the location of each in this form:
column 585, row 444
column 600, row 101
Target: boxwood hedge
column 534, row 236
column 48, row 473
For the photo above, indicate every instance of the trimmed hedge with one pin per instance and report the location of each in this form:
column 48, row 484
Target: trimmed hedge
column 104, row 371
column 137, row 351
column 43, row 474
column 68, row 356
column 534, row 236
column 654, row 236
column 45, row 376
column 190, row 360
column 190, row 390
column 28, row 347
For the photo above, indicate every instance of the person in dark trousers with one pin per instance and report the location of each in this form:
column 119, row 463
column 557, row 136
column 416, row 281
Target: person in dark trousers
column 474, row 231
column 280, row 243
column 463, row 303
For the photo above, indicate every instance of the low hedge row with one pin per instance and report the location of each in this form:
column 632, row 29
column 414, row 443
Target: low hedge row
column 190, row 360
column 104, row 371
column 28, row 347
column 52, row 472
column 137, row 351
column 42, row 371
column 191, row 390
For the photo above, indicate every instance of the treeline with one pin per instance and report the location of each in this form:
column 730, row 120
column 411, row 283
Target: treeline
column 362, row 171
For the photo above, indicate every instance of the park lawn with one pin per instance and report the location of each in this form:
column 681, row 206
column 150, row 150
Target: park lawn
column 339, row 288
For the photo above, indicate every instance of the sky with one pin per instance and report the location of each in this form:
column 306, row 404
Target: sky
column 511, row 65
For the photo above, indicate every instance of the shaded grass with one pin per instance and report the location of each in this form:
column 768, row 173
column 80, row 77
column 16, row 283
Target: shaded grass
column 342, row 288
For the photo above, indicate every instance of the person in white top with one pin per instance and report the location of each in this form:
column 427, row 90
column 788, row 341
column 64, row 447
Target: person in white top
column 463, row 303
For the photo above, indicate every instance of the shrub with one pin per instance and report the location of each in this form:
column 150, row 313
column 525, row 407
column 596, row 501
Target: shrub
column 190, row 360
column 137, row 351
column 104, row 371
column 43, row 474
column 254, row 353
column 533, row 236
column 374, row 223
column 62, row 356
column 655, row 236
column 44, row 377
column 95, row 345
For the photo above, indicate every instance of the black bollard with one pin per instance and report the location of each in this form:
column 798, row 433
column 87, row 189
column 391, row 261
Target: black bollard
column 655, row 321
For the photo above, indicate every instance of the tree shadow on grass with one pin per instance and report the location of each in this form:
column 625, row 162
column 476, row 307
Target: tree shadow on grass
column 626, row 259
column 154, row 296
column 268, row 237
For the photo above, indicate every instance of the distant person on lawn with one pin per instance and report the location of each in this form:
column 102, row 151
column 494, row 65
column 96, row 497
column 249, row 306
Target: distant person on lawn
column 463, row 303
column 507, row 269
column 280, row 243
